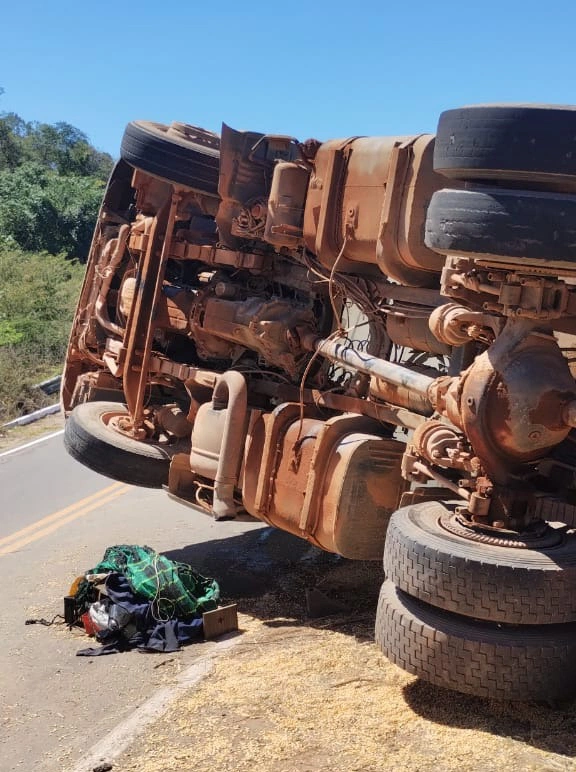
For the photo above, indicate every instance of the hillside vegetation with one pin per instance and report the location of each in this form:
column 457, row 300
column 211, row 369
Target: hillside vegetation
column 51, row 183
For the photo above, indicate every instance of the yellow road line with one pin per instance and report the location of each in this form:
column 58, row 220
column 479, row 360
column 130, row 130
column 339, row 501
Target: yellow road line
column 59, row 523
column 61, row 513
column 74, row 515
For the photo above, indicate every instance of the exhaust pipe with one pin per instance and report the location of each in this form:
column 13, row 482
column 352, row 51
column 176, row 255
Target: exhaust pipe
column 229, row 393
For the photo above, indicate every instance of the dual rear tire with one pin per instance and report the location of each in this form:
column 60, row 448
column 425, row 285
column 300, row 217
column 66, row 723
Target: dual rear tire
column 518, row 166
column 509, row 143
column 491, row 620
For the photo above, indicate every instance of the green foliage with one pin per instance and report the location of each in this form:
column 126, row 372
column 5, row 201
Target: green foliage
column 51, row 184
column 37, row 299
column 60, row 147
column 10, row 155
column 42, row 210
column 9, row 334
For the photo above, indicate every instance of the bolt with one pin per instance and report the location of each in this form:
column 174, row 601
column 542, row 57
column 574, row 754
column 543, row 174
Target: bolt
column 535, row 435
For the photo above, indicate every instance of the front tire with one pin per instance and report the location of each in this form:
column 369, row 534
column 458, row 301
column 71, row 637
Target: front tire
column 90, row 439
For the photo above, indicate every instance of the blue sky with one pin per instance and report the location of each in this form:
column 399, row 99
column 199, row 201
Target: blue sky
column 323, row 69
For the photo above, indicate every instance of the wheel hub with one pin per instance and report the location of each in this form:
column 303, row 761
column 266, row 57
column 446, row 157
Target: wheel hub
column 124, row 425
column 536, row 536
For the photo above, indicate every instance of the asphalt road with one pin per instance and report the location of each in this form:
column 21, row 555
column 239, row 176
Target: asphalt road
column 56, row 520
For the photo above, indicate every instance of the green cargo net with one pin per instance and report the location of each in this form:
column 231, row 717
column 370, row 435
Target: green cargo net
column 175, row 589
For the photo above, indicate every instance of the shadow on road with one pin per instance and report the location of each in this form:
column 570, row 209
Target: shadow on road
column 307, row 582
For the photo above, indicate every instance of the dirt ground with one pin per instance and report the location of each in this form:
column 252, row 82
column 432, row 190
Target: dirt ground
column 301, row 694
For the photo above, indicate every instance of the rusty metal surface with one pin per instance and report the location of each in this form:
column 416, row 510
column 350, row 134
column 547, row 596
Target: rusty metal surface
column 285, row 217
column 408, row 326
column 308, row 281
column 539, row 537
column 345, row 199
column 513, row 398
column 331, row 482
column 400, row 251
column 137, row 347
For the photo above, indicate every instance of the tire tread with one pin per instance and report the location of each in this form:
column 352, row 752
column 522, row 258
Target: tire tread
column 508, row 142
column 484, row 221
column 185, row 163
column 111, row 454
column 476, row 658
column 491, row 583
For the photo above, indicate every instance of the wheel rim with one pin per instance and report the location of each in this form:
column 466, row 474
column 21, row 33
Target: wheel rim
column 113, row 421
column 540, row 537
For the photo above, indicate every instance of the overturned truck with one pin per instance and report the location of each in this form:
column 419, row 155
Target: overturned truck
column 369, row 343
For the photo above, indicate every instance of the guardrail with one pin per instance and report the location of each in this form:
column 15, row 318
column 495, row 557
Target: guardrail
column 49, row 386
column 31, row 417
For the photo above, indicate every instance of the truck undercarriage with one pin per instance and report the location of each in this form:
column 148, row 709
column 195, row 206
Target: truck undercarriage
column 369, row 343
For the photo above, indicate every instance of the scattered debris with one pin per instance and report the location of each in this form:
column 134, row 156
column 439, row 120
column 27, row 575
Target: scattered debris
column 138, row 598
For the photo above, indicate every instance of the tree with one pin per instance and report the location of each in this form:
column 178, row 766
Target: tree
column 51, row 183
column 10, row 155
column 62, row 148
column 43, row 211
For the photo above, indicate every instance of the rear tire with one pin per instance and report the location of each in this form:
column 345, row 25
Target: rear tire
column 513, row 585
column 154, row 149
column 508, row 142
column 493, row 222
column 89, row 439
column 492, row 661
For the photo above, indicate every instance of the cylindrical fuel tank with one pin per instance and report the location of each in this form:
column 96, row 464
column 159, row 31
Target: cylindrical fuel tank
column 367, row 202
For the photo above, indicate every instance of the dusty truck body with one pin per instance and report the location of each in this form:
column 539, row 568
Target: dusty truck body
column 369, row 343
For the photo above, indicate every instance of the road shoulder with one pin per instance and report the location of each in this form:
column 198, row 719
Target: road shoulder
column 20, row 435
column 302, row 695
